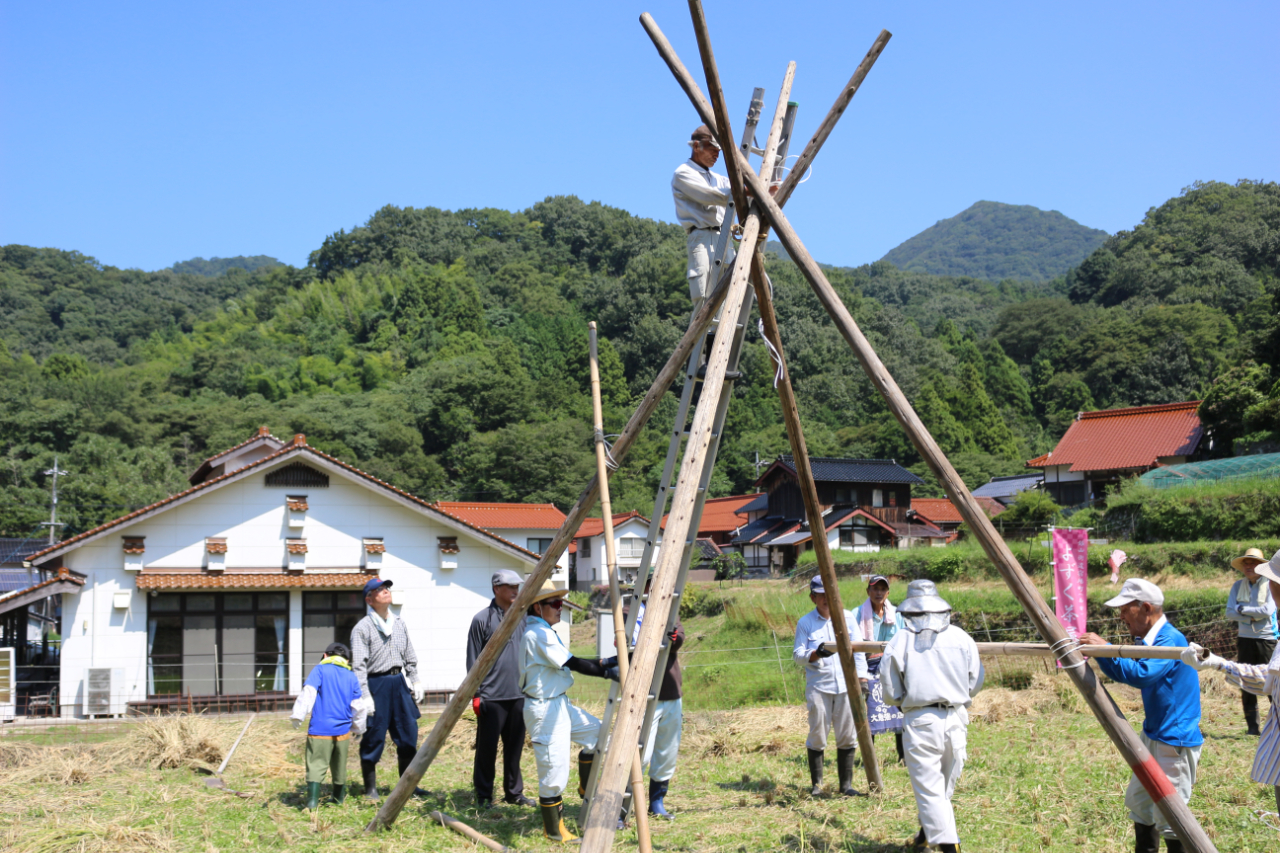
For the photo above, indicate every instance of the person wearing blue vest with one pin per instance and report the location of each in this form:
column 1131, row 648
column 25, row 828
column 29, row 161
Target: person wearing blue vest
column 1252, row 607
column 331, row 696
column 1170, row 701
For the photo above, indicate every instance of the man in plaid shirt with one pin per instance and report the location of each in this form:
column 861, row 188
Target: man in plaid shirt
column 387, row 668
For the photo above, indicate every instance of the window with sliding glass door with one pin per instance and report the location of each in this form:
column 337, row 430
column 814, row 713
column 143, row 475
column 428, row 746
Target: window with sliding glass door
column 327, row 617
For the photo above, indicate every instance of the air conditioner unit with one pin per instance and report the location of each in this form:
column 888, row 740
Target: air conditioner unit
column 8, row 684
column 104, row 691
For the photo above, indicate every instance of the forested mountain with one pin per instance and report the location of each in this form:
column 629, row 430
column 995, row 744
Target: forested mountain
column 217, row 266
column 997, row 241
column 446, row 353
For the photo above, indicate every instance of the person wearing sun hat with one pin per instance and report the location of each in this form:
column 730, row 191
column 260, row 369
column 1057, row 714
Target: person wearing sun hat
column 1253, row 607
column 1170, row 702
column 546, row 674
column 1260, row 679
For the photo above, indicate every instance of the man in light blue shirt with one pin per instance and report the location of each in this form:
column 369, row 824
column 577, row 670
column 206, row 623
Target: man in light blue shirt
column 825, row 692
column 1251, row 606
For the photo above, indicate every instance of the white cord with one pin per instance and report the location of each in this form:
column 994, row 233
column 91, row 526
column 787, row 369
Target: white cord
column 773, row 353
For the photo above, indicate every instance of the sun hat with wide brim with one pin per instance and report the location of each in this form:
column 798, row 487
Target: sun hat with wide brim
column 549, row 592
column 922, row 597
column 1251, row 554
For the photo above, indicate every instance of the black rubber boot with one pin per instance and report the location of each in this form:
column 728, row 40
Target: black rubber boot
column 313, row 796
column 815, row 772
column 339, row 794
column 920, row 842
column 369, row 771
column 657, row 791
column 844, row 767
column 1251, row 721
column 553, row 820
column 405, row 761
column 585, row 759
column 1173, row 845
column 950, row 848
column 902, row 753
column 1146, row 839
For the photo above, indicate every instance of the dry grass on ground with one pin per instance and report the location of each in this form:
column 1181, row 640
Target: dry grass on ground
column 1040, row 776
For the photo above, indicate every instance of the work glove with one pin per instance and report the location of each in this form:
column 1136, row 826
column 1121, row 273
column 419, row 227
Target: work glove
column 475, row 705
column 297, row 723
column 1199, row 658
column 368, row 703
column 418, row 692
column 608, row 662
column 866, row 687
column 825, row 651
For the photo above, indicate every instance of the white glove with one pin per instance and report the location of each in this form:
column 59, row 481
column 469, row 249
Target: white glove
column 368, row 703
column 297, row 723
column 1196, row 657
column 418, row 692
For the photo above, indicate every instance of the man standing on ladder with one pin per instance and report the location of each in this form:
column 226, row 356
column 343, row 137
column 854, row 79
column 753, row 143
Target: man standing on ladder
column 701, row 197
column 825, row 692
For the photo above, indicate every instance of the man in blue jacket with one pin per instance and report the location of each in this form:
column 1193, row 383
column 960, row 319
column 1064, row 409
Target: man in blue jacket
column 1170, row 700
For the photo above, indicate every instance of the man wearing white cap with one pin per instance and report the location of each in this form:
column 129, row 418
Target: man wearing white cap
column 1258, row 679
column 825, row 693
column 498, row 703
column 931, row 670
column 701, row 197
column 1170, row 702
column 1252, row 606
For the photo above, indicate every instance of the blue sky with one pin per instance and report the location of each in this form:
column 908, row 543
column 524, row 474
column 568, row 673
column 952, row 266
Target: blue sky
column 148, row 133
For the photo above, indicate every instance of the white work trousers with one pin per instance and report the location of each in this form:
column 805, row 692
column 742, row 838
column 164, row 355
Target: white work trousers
column 1179, row 763
column 552, row 725
column 934, row 742
column 664, row 739
column 702, row 275
column 828, row 711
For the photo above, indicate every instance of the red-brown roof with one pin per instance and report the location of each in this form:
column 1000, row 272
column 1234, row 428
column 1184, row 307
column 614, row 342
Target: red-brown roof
column 207, row 466
column 720, row 515
column 499, row 516
column 1126, row 439
column 943, row 511
column 245, row 580
column 299, row 443
column 595, row 526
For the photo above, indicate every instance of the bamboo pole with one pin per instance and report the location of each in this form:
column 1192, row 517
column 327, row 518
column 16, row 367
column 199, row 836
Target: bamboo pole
column 1042, row 650
column 464, row 830
column 633, row 699
column 461, row 699
column 638, row 800
column 1113, row 721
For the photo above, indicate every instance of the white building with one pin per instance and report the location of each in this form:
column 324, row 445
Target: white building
column 234, row 587
column 629, row 533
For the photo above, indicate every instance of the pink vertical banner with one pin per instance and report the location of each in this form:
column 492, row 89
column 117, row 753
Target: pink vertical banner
column 1071, row 579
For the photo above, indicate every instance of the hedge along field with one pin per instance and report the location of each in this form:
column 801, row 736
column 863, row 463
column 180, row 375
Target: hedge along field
column 1206, row 510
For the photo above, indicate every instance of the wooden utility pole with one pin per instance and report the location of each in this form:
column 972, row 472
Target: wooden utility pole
column 639, row 802
column 1113, row 721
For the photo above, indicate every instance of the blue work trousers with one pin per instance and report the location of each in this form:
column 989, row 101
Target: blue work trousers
column 394, row 711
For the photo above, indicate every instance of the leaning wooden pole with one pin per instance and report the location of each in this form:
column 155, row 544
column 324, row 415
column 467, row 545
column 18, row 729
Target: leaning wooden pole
column 638, row 800
column 822, row 548
column 1104, row 708
column 469, row 833
column 430, row 748
column 633, row 699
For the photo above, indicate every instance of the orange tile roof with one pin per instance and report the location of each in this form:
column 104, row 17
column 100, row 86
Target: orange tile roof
column 595, row 526
column 500, row 516
column 245, row 580
column 720, row 515
column 937, row 510
column 299, row 443
column 1126, row 439
column 207, row 465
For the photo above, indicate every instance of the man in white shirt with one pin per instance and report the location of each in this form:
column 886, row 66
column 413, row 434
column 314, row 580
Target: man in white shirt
column 825, row 693
column 701, row 197
column 931, row 670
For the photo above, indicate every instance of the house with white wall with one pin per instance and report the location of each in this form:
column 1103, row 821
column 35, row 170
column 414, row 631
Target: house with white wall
column 227, row 593
column 531, row 526
column 630, row 530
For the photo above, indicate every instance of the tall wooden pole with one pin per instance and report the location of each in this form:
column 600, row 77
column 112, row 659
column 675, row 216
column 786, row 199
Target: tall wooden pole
column 430, row 748
column 633, row 699
column 638, row 800
column 1113, row 721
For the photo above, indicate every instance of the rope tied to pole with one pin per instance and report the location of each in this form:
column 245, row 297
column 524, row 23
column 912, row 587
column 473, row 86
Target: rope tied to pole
column 601, row 438
column 1064, row 647
column 773, row 352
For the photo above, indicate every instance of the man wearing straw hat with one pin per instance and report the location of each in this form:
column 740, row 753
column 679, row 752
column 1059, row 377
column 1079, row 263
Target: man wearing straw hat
column 825, row 694
column 1170, row 702
column 931, row 670
column 1252, row 605
column 546, row 673
column 1261, row 679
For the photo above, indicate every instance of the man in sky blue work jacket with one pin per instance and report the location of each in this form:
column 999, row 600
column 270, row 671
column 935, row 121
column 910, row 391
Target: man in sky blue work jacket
column 1170, row 700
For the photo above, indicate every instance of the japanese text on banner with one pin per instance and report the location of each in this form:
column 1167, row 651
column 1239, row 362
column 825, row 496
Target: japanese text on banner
column 1070, row 578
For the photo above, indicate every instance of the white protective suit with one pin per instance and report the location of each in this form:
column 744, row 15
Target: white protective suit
column 551, row 721
column 932, row 676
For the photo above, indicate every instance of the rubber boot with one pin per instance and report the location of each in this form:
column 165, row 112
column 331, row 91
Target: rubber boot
column 658, row 790
column 920, row 842
column 405, row 760
column 815, row 772
column 950, row 848
column 313, row 796
column 585, row 760
column 369, row 771
column 1173, row 845
column 1251, row 721
column 553, row 820
column 1146, row 839
column 844, row 767
column 902, row 753
column 339, row 794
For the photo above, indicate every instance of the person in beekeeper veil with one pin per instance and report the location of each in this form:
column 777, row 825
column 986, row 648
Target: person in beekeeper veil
column 931, row 671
